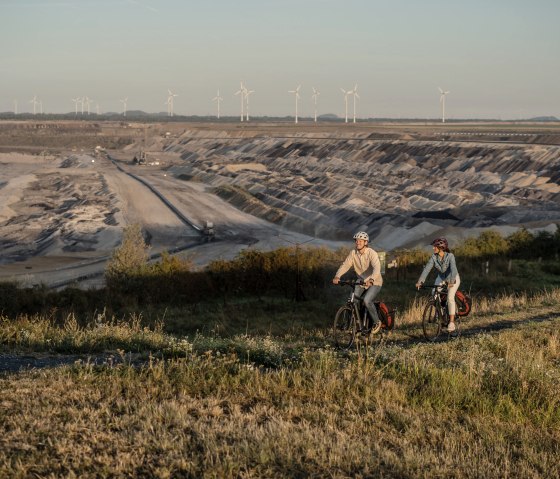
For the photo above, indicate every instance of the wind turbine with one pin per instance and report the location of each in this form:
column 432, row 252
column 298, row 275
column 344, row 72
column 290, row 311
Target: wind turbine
column 40, row 102
column 241, row 92
column 34, row 101
column 15, row 106
column 87, row 101
column 123, row 101
column 346, row 93
column 76, row 101
column 296, row 93
column 316, row 93
column 354, row 93
column 247, row 93
column 218, row 99
column 170, row 102
column 442, row 101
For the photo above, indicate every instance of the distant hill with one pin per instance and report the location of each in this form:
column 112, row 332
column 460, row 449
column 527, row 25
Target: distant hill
column 328, row 116
column 544, row 118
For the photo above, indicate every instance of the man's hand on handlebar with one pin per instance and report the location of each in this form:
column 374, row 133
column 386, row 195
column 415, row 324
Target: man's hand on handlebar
column 419, row 285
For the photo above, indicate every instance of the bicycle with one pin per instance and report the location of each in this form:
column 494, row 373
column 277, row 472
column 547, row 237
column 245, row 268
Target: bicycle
column 435, row 315
column 353, row 319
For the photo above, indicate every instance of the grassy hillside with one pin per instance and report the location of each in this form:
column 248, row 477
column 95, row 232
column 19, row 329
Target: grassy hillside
column 272, row 398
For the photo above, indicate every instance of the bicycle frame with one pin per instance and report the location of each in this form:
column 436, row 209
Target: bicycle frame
column 352, row 319
column 440, row 302
column 357, row 304
column 436, row 315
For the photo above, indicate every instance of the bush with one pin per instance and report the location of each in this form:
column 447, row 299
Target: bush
column 131, row 256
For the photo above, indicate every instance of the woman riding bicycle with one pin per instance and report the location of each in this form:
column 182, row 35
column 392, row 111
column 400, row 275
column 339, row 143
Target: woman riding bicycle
column 367, row 266
column 444, row 262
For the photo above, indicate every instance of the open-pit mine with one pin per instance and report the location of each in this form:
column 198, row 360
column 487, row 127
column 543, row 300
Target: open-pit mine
column 67, row 189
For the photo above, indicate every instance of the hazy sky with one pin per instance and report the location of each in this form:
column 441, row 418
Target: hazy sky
column 498, row 58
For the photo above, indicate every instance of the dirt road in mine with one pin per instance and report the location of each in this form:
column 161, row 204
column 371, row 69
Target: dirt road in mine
column 172, row 213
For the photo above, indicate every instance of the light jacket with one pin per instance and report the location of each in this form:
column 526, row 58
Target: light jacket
column 446, row 268
column 366, row 265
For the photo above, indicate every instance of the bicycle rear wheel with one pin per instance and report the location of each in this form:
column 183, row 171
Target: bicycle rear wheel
column 344, row 328
column 431, row 321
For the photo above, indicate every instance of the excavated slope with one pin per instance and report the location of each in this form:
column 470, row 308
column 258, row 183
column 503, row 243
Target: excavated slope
column 329, row 186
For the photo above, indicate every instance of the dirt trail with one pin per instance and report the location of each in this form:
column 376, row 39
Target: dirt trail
column 408, row 337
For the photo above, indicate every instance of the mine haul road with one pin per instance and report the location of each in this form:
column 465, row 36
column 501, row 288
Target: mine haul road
column 173, row 214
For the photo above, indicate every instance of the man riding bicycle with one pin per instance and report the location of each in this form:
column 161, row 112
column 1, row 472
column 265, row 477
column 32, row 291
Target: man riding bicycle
column 367, row 266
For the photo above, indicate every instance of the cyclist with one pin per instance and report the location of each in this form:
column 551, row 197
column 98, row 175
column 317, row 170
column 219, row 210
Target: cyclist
column 367, row 266
column 444, row 262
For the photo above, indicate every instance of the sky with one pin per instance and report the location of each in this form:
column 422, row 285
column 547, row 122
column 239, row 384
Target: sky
column 497, row 58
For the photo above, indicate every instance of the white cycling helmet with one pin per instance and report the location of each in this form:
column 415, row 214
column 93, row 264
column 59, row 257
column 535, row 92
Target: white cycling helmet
column 361, row 235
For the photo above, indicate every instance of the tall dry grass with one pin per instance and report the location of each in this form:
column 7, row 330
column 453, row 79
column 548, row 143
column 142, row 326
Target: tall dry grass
column 486, row 405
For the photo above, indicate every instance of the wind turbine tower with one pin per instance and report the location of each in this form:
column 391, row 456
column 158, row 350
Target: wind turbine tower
column 218, row 99
column 316, row 93
column 34, row 101
column 123, row 101
column 87, row 101
column 15, row 106
column 346, row 93
column 442, row 101
column 76, row 101
column 354, row 93
column 241, row 92
column 247, row 93
column 296, row 94
column 170, row 102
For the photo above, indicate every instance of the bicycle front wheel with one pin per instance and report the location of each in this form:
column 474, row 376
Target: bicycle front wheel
column 431, row 322
column 344, row 329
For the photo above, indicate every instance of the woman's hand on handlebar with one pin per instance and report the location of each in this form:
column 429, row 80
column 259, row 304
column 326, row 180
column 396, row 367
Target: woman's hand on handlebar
column 336, row 280
column 419, row 285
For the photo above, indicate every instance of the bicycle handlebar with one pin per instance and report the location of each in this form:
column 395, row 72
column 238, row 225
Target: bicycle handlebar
column 352, row 283
column 441, row 285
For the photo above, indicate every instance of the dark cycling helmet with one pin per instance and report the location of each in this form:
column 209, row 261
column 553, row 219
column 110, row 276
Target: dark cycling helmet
column 440, row 243
column 361, row 235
